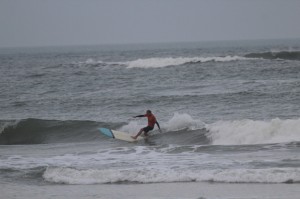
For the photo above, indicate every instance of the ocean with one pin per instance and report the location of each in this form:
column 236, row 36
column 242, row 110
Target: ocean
column 229, row 113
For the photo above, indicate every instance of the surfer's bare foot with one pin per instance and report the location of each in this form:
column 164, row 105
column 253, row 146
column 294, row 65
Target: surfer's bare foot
column 133, row 137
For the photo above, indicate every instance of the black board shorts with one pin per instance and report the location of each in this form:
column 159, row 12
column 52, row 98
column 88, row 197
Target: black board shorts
column 147, row 129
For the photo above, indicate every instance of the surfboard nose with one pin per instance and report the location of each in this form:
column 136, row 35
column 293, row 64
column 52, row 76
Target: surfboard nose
column 107, row 132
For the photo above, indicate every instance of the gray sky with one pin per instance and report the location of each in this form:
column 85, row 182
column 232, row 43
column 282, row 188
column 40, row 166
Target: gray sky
column 76, row 22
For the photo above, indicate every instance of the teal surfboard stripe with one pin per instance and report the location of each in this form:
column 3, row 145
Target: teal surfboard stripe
column 107, row 132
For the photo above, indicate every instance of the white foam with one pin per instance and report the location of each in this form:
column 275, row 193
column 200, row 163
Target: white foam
column 183, row 121
column 91, row 61
column 157, row 62
column 133, row 127
column 254, row 132
column 154, row 175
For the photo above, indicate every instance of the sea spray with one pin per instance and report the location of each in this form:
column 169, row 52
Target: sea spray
column 183, row 121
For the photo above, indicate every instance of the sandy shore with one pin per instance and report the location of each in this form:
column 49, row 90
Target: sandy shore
column 157, row 191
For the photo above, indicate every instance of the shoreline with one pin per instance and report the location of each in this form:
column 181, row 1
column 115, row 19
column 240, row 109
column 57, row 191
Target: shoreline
column 192, row 190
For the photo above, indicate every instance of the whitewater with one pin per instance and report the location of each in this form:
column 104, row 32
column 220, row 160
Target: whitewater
column 229, row 115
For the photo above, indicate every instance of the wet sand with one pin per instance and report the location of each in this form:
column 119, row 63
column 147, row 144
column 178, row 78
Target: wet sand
column 149, row 191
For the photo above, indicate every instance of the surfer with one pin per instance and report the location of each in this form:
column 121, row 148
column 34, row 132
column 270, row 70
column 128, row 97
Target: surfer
column 151, row 123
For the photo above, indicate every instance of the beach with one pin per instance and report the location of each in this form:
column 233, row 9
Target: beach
column 159, row 191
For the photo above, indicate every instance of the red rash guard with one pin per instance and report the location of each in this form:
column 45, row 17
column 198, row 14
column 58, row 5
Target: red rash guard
column 151, row 120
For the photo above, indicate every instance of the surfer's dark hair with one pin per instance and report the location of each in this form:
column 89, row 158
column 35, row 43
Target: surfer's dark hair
column 148, row 111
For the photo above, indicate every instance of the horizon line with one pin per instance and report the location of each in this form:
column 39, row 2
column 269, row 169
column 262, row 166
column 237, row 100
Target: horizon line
column 144, row 43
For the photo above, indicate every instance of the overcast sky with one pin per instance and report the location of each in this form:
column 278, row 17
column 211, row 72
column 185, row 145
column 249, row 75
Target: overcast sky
column 76, row 22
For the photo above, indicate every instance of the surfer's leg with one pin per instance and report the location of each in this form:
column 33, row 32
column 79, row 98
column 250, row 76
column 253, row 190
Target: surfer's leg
column 147, row 129
column 139, row 133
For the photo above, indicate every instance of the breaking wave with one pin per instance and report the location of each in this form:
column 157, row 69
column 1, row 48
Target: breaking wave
column 161, row 62
column 181, row 128
column 170, row 61
column 243, row 132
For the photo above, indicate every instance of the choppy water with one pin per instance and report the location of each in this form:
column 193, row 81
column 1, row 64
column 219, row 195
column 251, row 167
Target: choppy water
column 229, row 113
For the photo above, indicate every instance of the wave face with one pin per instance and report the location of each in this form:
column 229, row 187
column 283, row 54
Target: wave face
column 285, row 55
column 37, row 131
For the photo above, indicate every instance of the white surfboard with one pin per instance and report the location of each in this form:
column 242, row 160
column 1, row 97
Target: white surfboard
column 119, row 135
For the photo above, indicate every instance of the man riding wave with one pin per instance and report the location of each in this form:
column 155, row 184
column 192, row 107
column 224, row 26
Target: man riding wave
column 151, row 123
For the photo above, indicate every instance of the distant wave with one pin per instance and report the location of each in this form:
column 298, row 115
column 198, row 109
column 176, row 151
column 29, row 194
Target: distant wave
column 170, row 61
column 161, row 62
column 157, row 175
column 285, row 55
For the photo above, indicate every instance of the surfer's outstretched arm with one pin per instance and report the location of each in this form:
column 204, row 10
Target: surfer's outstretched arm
column 140, row 116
